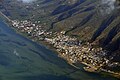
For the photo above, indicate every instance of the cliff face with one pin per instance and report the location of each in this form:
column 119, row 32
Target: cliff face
column 96, row 21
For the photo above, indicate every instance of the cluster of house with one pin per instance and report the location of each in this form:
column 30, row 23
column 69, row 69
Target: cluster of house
column 69, row 48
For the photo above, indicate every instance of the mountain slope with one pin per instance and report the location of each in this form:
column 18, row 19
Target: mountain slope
column 95, row 21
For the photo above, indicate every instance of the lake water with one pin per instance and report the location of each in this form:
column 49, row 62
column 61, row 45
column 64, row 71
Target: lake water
column 22, row 59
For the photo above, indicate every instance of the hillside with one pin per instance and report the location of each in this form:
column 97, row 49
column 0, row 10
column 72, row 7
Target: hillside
column 94, row 21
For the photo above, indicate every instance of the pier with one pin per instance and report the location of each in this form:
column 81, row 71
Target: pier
column 8, row 19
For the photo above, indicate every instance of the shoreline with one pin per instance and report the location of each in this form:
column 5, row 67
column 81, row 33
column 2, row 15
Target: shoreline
column 49, row 46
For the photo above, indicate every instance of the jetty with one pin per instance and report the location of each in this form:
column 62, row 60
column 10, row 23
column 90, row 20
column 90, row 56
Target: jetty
column 7, row 18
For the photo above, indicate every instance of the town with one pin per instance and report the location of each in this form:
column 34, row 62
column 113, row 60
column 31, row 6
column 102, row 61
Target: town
column 69, row 48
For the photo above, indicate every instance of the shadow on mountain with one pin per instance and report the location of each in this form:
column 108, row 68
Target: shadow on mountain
column 113, row 32
column 70, row 14
column 82, row 23
column 46, row 1
column 63, row 8
column 105, row 23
